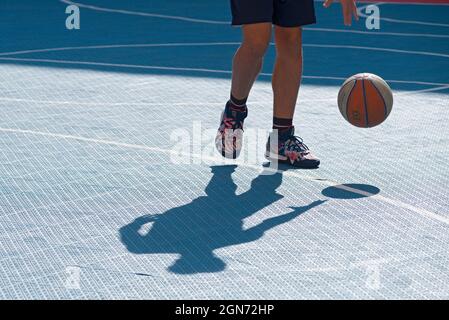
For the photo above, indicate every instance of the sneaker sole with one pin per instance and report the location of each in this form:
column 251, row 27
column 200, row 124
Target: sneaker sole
column 283, row 159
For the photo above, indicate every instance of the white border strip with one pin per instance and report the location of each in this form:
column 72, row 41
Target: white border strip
column 207, row 44
column 146, row 67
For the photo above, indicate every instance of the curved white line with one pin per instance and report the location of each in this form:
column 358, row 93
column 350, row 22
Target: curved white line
column 430, row 3
column 397, row 203
column 175, row 104
column 120, row 65
column 119, row 46
column 199, row 104
column 143, row 14
column 146, row 67
column 414, row 3
column 83, row 103
column 424, row 53
column 205, row 44
column 378, row 33
column 423, row 91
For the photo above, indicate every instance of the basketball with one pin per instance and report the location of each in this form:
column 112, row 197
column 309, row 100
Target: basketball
column 365, row 100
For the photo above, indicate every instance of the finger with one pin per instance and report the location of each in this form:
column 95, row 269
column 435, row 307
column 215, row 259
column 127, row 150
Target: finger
column 346, row 15
column 355, row 12
column 327, row 3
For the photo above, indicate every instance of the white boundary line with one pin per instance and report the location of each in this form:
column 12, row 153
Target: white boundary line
column 397, row 203
column 379, row 33
column 396, row 3
column 420, row 91
column 206, row 44
column 176, row 104
column 112, row 104
column 115, row 46
column 335, row 46
column 102, row 64
column 211, row 44
column 143, row 14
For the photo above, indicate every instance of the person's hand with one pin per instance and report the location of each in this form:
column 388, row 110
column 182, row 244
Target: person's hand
column 349, row 9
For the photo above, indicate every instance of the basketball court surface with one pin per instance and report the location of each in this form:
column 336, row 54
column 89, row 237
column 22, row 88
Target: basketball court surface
column 96, row 202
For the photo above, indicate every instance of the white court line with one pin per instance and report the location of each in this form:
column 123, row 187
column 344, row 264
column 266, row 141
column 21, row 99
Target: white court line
column 206, row 44
column 424, row 53
column 211, row 44
column 424, row 23
column 83, row 103
column 379, row 33
column 396, row 3
column 102, row 64
column 411, row 3
column 397, row 203
column 175, row 104
column 217, row 22
column 118, row 46
column 143, row 14
column 422, row 91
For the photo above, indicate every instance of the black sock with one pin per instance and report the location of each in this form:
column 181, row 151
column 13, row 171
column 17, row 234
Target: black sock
column 239, row 103
column 282, row 124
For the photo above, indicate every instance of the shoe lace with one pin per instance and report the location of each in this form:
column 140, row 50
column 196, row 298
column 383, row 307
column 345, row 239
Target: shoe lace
column 295, row 143
column 229, row 123
column 234, row 122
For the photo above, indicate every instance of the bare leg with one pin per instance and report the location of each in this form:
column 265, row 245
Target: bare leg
column 286, row 81
column 287, row 71
column 249, row 58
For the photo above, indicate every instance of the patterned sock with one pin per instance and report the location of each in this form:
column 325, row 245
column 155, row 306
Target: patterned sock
column 282, row 124
column 238, row 103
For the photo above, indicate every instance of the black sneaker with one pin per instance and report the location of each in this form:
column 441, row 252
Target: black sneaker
column 292, row 150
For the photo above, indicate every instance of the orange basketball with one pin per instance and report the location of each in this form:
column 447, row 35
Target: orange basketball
column 365, row 100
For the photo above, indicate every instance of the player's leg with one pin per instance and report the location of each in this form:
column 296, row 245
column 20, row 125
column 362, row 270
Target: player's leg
column 256, row 18
column 247, row 64
column 248, row 59
column 287, row 73
column 289, row 16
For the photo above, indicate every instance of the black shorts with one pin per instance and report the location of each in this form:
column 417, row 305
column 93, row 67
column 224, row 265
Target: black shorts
column 284, row 13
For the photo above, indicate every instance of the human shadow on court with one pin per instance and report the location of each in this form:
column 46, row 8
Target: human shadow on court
column 195, row 230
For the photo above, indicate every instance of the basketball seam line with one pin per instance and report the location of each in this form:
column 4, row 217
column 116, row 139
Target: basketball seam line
column 365, row 105
column 349, row 97
column 381, row 95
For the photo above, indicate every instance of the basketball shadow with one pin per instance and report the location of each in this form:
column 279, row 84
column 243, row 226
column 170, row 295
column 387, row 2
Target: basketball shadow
column 350, row 191
column 195, row 230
